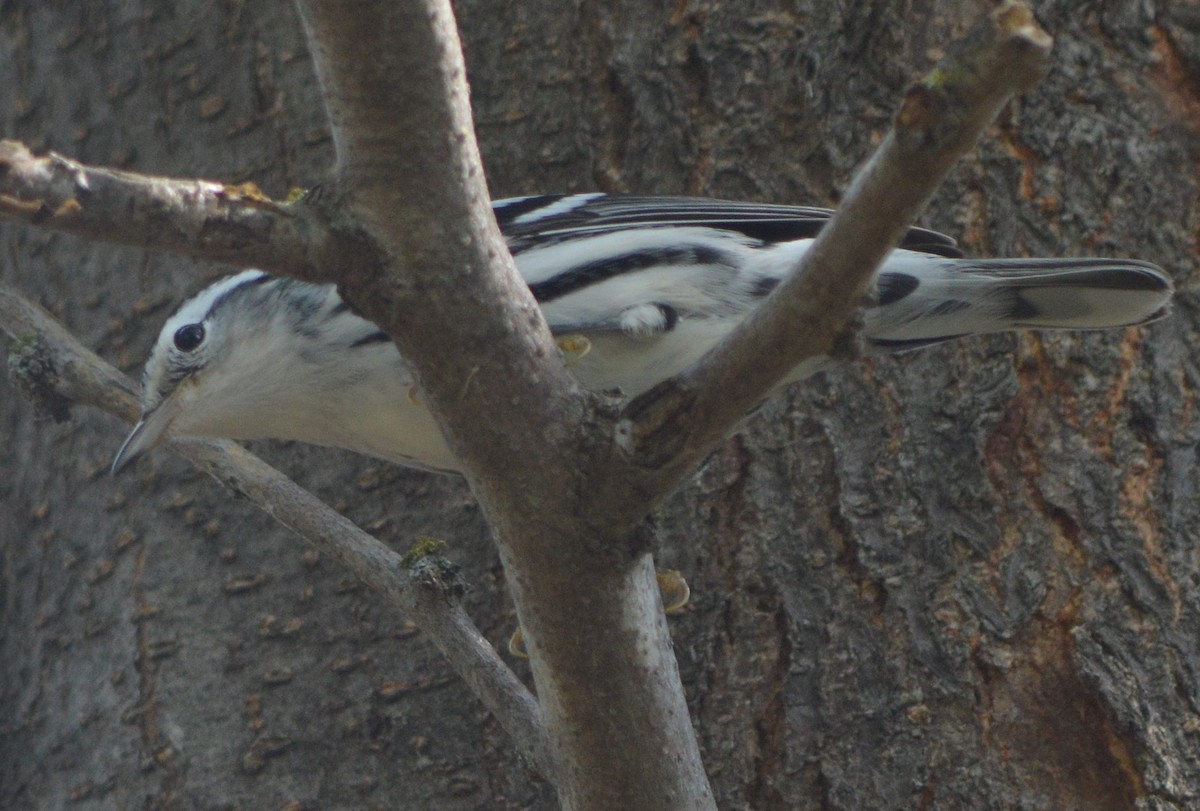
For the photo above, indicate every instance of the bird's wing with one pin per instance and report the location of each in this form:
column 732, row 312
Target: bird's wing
column 538, row 221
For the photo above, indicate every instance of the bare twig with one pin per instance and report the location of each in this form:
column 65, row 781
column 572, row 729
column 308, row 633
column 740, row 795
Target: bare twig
column 201, row 219
column 418, row 591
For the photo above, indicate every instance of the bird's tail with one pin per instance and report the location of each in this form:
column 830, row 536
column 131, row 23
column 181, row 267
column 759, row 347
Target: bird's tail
column 924, row 301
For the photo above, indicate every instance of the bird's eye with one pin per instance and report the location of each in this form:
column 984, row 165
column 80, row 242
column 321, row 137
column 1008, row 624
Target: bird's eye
column 188, row 337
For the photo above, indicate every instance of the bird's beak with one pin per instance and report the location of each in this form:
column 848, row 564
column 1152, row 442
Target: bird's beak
column 151, row 431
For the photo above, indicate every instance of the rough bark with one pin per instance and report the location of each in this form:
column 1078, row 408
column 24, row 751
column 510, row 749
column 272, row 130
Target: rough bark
column 559, row 495
column 953, row 579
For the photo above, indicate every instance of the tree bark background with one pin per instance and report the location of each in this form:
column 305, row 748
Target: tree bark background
column 959, row 578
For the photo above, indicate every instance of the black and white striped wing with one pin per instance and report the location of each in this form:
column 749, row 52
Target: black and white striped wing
column 538, row 221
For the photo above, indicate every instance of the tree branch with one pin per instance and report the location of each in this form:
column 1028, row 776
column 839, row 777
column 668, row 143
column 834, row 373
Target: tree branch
column 68, row 369
column 200, row 219
column 560, row 484
column 669, row 429
column 447, row 291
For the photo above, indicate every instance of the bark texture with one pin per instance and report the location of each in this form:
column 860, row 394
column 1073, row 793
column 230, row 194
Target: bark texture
column 961, row 578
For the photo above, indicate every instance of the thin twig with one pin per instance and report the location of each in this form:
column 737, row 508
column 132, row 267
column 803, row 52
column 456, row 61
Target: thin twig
column 419, row 591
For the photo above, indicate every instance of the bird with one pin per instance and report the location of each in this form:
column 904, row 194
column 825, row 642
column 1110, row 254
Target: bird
column 639, row 286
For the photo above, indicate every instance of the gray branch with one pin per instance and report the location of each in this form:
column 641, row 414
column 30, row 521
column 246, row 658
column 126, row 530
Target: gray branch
column 68, row 369
column 527, row 437
column 201, row 219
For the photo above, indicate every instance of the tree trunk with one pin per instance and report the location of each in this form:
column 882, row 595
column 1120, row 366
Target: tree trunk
column 958, row 578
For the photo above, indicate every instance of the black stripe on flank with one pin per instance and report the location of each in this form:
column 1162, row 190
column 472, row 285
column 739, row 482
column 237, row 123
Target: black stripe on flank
column 590, row 273
column 377, row 337
column 216, row 305
column 891, row 287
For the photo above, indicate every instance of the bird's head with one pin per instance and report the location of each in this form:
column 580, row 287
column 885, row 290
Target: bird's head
column 240, row 360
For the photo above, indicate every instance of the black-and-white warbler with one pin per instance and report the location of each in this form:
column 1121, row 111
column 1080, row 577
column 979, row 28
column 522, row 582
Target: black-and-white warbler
column 650, row 283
